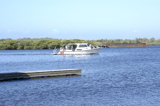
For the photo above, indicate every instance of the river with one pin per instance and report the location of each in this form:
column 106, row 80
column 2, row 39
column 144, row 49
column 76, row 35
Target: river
column 114, row 77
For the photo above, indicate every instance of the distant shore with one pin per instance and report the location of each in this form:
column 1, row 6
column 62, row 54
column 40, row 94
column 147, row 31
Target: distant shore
column 49, row 43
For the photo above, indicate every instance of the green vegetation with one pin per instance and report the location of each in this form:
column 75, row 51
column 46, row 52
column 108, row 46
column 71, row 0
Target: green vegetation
column 151, row 41
column 48, row 43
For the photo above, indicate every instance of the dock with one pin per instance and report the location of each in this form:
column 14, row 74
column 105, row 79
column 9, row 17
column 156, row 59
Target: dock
column 38, row 74
column 107, row 45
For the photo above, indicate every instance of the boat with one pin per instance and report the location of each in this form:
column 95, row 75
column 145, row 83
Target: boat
column 77, row 49
column 96, row 47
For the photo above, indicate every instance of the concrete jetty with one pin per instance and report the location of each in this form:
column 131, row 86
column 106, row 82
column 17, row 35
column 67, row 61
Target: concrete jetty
column 38, row 74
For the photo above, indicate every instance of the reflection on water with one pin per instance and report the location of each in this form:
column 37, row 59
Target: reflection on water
column 77, row 57
column 117, row 76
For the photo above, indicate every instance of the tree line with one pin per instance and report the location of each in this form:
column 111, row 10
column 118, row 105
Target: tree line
column 49, row 43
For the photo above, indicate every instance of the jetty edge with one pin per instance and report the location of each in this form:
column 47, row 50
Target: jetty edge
column 38, row 74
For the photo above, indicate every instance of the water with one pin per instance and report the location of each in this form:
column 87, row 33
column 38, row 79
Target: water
column 115, row 77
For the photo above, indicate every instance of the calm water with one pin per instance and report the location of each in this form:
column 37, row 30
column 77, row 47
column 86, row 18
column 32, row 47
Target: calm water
column 115, row 77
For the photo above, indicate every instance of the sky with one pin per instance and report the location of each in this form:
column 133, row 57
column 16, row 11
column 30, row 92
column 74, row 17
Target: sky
column 80, row 19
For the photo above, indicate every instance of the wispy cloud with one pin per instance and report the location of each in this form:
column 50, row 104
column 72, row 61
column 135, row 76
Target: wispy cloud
column 56, row 31
column 134, row 31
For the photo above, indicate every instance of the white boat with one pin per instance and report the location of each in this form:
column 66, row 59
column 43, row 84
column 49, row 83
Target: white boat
column 77, row 49
column 96, row 47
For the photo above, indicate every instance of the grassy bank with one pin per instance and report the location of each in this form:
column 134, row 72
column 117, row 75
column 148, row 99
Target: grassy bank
column 48, row 43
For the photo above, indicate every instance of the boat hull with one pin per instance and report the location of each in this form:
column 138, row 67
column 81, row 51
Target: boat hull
column 84, row 52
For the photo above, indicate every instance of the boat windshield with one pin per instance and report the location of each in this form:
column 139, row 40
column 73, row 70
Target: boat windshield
column 82, row 45
column 71, row 47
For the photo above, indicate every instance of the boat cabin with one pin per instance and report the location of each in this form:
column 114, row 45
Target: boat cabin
column 78, row 46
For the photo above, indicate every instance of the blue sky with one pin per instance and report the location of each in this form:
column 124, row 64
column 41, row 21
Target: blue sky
column 82, row 19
